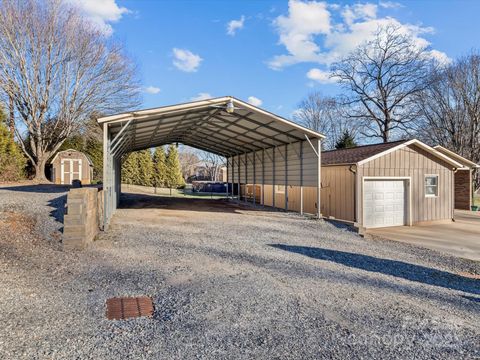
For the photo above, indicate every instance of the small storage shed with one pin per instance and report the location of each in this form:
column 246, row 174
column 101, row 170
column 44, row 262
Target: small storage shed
column 69, row 165
column 463, row 179
column 390, row 184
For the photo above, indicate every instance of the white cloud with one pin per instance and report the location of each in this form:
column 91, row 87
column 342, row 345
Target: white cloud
column 152, row 90
column 390, row 5
column 323, row 77
column 297, row 31
column 310, row 34
column 235, row 25
column 101, row 12
column 359, row 11
column 254, row 101
column 201, row 96
column 185, row 60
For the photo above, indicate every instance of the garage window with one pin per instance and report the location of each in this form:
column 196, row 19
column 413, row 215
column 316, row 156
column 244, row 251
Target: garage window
column 280, row 189
column 431, row 185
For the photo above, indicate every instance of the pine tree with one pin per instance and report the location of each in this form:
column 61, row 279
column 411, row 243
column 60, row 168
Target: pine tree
column 12, row 161
column 94, row 150
column 145, row 167
column 346, row 141
column 159, row 167
column 130, row 169
column 173, row 174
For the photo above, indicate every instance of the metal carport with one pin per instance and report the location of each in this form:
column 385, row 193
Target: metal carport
column 278, row 152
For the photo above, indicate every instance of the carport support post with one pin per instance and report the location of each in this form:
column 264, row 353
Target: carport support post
column 226, row 195
column 263, row 177
column 246, row 177
column 286, row 177
column 238, row 168
column 254, row 179
column 301, row 177
column 273, row 177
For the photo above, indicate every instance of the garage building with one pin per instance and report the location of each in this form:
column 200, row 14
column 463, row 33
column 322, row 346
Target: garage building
column 390, row 184
column 270, row 160
column 463, row 179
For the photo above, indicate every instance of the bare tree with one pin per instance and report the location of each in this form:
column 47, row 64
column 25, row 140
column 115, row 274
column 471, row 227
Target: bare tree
column 59, row 69
column 323, row 114
column 450, row 108
column 383, row 76
column 188, row 159
column 213, row 164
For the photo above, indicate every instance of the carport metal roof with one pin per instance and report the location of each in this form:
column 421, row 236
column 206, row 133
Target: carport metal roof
column 204, row 124
column 225, row 126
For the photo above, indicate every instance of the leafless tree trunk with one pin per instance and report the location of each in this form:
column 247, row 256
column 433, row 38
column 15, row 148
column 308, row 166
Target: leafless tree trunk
column 323, row 114
column 59, row 69
column 382, row 76
column 450, row 108
column 188, row 159
column 213, row 164
column 11, row 120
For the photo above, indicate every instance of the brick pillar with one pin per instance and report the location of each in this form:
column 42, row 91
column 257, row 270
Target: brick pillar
column 463, row 189
column 81, row 219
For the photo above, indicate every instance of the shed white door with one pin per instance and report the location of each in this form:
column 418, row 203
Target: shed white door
column 384, row 203
column 71, row 169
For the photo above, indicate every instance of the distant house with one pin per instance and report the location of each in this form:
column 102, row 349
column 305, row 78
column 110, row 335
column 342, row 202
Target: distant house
column 463, row 179
column 391, row 184
column 69, row 165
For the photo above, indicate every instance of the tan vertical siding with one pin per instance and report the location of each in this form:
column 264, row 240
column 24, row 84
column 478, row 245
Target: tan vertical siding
column 289, row 175
column 337, row 194
column 415, row 163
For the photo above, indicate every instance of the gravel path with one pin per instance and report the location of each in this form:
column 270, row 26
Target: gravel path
column 227, row 282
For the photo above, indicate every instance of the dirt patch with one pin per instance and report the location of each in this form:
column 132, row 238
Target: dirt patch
column 15, row 226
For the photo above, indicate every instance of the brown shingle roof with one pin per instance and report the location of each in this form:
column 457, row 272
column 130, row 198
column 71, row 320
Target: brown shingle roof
column 356, row 154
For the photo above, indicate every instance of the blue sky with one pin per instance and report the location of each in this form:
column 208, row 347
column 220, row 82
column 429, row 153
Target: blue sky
column 276, row 52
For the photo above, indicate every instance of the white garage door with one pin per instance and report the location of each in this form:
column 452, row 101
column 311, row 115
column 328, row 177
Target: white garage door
column 384, row 203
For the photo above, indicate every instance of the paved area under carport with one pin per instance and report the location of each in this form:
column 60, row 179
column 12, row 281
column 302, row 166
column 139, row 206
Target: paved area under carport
column 460, row 238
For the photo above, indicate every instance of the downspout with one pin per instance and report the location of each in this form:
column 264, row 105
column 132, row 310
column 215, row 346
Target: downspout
column 353, row 169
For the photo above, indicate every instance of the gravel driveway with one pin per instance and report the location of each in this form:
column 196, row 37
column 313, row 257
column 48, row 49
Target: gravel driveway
column 227, row 282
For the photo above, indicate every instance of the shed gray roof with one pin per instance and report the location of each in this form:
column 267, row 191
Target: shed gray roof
column 356, row 154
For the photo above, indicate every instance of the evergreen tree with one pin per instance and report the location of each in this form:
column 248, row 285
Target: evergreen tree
column 173, row 174
column 94, row 150
column 346, row 141
column 12, row 161
column 159, row 167
column 130, row 169
column 145, row 167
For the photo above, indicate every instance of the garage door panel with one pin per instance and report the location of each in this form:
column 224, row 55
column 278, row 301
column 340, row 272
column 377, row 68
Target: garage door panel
column 384, row 203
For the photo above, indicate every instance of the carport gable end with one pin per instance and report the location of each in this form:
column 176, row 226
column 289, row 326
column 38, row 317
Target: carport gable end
column 231, row 128
column 388, row 184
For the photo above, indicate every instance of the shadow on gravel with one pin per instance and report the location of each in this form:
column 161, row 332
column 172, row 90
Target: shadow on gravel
column 39, row 188
column 395, row 268
column 145, row 201
column 57, row 204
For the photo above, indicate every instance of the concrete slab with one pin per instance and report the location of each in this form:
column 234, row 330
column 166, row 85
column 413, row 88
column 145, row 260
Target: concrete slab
column 460, row 238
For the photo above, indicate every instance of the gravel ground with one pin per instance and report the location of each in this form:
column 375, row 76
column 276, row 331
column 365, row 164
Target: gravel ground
column 227, row 282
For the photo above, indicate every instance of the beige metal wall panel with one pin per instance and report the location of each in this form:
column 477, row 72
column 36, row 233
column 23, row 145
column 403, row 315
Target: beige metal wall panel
column 269, row 166
column 309, row 200
column 415, row 163
column 281, row 172
column 268, row 196
column 337, row 194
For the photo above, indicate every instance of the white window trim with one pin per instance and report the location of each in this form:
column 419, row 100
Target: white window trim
column 436, row 186
column 279, row 189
